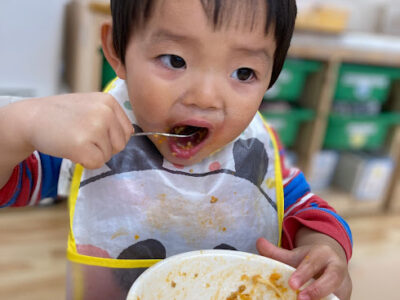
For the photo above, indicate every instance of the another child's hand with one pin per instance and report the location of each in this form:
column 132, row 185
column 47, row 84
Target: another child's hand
column 85, row 128
column 317, row 256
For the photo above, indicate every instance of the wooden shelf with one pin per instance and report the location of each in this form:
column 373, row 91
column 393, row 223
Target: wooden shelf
column 83, row 57
column 319, row 93
column 348, row 206
column 385, row 52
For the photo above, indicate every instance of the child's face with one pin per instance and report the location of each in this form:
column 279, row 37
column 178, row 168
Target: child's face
column 182, row 72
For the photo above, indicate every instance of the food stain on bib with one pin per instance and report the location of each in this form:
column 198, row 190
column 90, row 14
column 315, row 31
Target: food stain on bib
column 120, row 232
column 270, row 182
column 164, row 214
column 213, row 199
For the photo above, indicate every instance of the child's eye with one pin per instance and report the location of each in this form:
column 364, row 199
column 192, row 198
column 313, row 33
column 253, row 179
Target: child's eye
column 244, row 74
column 173, row 61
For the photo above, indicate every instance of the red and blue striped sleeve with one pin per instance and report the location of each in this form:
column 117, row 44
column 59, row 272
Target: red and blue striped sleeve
column 32, row 180
column 303, row 208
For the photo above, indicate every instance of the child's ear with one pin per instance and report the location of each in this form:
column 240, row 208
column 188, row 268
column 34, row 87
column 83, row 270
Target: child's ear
column 109, row 51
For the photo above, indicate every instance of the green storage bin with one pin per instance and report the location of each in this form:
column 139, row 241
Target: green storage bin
column 287, row 124
column 358, row 132
column 107, row 72
column 290, row 83
column 364, row 83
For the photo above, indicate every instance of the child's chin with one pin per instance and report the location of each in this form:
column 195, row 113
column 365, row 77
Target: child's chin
column 184, row 162
column 179, row 158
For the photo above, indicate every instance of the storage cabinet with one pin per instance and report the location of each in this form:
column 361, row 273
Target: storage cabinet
column 290, row 83
column 331, row 85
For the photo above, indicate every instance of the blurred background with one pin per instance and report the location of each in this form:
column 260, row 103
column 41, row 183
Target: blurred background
column 336, row 107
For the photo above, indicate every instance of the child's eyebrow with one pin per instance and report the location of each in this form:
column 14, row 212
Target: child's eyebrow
column 257, row 52
column 166, row 35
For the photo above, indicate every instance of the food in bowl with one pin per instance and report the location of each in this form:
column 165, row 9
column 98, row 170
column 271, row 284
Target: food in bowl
column 215, row 274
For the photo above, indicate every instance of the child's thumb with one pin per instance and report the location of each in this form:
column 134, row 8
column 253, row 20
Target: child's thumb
column 266, row 248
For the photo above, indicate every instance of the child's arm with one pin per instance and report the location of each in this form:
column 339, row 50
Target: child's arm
column 32, row 180
column 85, row 128
column 13, row 149
column 319, row 239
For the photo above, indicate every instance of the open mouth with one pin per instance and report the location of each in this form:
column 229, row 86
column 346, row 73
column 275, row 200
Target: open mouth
column 186, row 147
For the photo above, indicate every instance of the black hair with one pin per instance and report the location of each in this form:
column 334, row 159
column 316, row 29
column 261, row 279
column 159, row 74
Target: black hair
column 129, row 15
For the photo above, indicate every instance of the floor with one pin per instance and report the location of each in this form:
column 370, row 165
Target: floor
column 33, row 242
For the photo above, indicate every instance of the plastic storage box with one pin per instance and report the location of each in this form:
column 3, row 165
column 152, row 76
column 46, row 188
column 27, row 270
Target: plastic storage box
column 288, row 123
column 358, row 132
column 364, row 83
column 322, row 169
column 290, row 83
column 365, row 176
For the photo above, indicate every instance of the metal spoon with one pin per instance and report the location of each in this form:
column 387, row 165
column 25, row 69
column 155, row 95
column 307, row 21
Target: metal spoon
column 164, row 134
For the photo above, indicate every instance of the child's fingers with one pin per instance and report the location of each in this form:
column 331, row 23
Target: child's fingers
column 123, row 119
column 328, row 282
column 90, row 157
column 117, row 137
column 89, row 148
column 343, row 292
column 310, row 266
column 268, row 249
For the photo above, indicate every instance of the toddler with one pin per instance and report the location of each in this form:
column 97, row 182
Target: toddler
column 198, row 67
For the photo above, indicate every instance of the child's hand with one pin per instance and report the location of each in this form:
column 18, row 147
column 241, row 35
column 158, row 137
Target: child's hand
column 85, row 128
column 317, row 256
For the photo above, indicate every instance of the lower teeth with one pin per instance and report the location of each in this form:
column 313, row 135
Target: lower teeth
column 187, row 146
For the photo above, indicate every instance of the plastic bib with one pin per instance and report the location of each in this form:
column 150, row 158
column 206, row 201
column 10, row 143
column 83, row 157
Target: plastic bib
column 139, row 208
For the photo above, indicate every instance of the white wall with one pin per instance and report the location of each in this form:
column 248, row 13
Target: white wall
column 31, row 35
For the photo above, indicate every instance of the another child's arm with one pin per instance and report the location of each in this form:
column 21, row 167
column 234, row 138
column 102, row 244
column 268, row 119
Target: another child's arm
column 318, row 239
column 85, row 128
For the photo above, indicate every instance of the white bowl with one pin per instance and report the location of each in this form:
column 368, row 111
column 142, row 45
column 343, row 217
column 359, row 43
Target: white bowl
column 215, row 274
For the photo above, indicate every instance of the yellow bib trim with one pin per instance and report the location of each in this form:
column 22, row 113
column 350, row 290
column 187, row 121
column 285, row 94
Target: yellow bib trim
column 278, row 180
column 73, row 196
column 111, row 262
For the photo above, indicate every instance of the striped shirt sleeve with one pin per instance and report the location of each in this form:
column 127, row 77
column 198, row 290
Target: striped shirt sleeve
column 32, row 180
column 303, row 208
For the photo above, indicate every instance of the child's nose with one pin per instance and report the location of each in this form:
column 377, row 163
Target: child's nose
column 205, row 93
